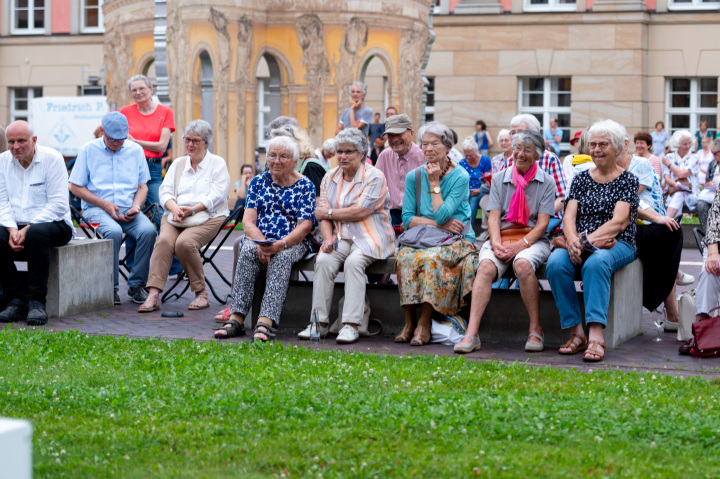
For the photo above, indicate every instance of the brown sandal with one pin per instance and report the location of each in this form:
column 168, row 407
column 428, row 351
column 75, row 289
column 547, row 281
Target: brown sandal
column 200, row 302
column 595, row 352
column 405, row 335
column 422, row 336
column 573, row 346
column 151, row 304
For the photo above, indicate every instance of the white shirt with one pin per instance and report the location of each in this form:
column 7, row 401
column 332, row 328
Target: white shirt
column 38, row 194
column 208, row 185
column 324, row 160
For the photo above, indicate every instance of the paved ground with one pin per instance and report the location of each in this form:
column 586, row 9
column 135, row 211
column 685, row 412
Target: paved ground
column 639, row 354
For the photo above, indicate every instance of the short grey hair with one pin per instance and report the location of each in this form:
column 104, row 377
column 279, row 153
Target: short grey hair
column 614, row 130
column 715, row 144
column 330, row 145
column 502, row 133
column 530, row 120
column 139, row 77
column 469, row 143
column 678, row 137
column 281, row 121
column 200, row 128
column 439, row 130
column 285, row 143
column 354, row 136
column 532, row 137
column 360, row 84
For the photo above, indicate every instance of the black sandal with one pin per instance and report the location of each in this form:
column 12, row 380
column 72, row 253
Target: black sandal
column 232, row 329
column 267, row 330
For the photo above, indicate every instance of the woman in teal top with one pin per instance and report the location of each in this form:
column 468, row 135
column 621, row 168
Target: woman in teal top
column 436, row 278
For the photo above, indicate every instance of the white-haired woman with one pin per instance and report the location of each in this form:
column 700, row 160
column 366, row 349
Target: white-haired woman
column 599, row 228
column 354, row 215
column 326, row 152
column 522, row 201
column 680, row 173
column 504, row 139
column 437, row 278
column 278, row 216
column 480, row 171
column 197, row 182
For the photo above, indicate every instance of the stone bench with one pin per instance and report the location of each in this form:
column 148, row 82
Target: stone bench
column 505, row 319
column 81, row 277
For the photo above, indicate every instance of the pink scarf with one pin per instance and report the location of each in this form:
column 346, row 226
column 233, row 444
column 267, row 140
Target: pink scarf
column 519, row 212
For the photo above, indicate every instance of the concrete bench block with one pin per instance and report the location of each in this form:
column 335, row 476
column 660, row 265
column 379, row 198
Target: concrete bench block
column 625, row 310
column 81, row 277
column 15, row 449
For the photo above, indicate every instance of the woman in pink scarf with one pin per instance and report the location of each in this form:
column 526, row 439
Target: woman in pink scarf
column 522, row 200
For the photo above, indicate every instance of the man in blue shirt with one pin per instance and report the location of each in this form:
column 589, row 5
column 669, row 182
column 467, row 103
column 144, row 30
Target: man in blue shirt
column 110, row 177
column 553, row 136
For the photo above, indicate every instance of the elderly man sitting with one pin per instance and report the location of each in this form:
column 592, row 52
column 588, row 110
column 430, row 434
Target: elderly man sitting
column 110, row 177
column 35, row 215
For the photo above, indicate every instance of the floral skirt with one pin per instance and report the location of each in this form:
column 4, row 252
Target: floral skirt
column 441, row 276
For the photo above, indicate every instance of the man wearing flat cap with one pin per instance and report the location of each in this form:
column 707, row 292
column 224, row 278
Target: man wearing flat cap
column 396, row 162
column 34, row 217
column 110, row 177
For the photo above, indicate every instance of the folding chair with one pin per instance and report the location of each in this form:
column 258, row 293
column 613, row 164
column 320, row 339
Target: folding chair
column 699, row 237
column 207, row 258
column 154, row 211
column 83, row 223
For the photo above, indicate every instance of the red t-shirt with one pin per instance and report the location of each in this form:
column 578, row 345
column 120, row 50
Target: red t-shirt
column 149, row 127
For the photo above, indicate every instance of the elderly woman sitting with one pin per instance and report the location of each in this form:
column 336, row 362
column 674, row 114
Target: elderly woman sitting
column 522, row 200
column 354, row 216
column 599, row 228
column 196, row 183
column 680, row 171
column 278, row 216
column 480, row 170
column 439, row 277
column 708, row 290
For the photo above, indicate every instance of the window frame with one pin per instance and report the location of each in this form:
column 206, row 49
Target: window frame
column 83, row 18
column 31, row 18
column 16, row 114
column 547, row 110
column 694, row 111
column 552, row 6
column 693, row 5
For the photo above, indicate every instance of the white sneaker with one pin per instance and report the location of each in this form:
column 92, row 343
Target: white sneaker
column 305, row 333
column 685, row 279
column 347, row 335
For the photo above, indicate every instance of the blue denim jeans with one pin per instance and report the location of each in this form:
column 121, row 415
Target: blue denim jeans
column 475, row 202
column 140, row 229
column 596, row 273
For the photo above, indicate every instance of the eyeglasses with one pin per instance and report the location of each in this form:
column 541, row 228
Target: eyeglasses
column 194, row 141
column 276, row 157
column 603, row 145
column 345, row 152
column 715, row 152
column 113, row 140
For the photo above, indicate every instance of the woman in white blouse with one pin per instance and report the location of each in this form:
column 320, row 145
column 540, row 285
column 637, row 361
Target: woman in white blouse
column 194, row 194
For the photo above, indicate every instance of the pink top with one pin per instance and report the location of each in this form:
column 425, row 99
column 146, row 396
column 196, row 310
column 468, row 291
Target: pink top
column 395, row 169
column 657, row 165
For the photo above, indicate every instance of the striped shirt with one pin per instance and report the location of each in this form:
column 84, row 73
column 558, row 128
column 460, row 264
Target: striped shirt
column 373, row 234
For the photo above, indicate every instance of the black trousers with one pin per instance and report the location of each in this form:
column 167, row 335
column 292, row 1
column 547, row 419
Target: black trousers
column 38, row 241
column 660, row 249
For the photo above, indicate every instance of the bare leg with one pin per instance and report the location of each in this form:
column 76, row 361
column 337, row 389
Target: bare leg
column 530, row 292
column 595, row 333
column 409, row 329
column 671, row 307
column 482, row 289
column 579, row 333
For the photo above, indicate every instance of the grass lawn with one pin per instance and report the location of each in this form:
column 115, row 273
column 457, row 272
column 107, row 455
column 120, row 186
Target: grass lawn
column 116, row 407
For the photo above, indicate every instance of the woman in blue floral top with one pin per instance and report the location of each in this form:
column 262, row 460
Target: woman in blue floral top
column 279, row 214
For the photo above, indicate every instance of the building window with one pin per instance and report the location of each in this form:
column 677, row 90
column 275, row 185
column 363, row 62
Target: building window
column 20, row 102
column 549, row 6
column 28, row 17
column 690, row 101
column 269, row 100
column 429, row 100
column 91, row 16
column 693, row 4
column 547, row 98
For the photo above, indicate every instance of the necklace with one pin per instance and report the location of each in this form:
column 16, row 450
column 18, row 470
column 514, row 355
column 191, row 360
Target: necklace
column 446, row 168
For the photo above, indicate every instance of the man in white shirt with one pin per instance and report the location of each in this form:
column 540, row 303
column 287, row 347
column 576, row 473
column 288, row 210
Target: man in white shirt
column 35, row 216
column 110, row 177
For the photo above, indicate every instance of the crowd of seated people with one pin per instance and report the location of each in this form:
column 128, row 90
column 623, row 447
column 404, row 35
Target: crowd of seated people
column 616, row 207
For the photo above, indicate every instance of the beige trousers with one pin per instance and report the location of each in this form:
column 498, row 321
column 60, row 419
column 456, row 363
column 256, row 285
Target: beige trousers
column 185, row 243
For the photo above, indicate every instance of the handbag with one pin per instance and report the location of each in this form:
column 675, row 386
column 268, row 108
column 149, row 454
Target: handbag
column 199, row 218
column 310, row 240
column 707, row 337
column 686, row 308
column 428, row 236
column 513, row 234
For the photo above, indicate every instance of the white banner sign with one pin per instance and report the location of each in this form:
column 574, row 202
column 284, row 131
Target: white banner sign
column 67, row 123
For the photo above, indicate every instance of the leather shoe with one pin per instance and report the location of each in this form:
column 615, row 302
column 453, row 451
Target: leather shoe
column 13, row 312
column 138, row 294
column 37, row 316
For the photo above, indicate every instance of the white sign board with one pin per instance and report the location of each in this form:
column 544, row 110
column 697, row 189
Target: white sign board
column 66, row 123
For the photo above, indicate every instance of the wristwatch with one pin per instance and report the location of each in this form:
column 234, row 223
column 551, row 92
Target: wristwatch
column 435, row 190
column 330, row 214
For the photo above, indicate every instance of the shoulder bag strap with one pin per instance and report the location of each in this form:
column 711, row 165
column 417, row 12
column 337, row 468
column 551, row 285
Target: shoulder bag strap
column 417, row 192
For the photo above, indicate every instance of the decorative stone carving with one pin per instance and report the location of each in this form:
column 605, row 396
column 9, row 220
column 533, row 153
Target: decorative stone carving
column 243, row 79
column 118, row 64
column 311, row 37
column 221, row 79
column 177, row 52
column 413, row 45
column 354, row 39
